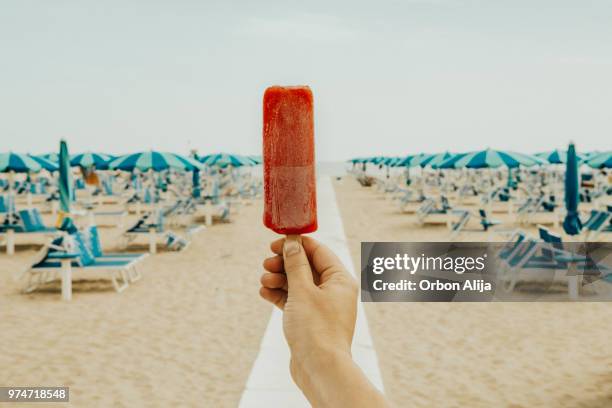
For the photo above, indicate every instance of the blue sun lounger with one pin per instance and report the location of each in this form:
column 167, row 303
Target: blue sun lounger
column 598, row 222
column 74, row 247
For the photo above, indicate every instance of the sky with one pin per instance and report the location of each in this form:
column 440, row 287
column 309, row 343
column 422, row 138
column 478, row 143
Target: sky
column 388, row 77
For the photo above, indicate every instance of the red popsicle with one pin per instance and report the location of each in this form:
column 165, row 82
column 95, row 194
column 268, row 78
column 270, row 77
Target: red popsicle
column 290, row 205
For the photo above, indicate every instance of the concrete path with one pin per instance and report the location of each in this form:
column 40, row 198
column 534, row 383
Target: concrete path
column 270, row 384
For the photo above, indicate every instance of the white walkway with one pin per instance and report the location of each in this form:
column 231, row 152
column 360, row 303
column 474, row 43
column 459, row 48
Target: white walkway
column 270, row 384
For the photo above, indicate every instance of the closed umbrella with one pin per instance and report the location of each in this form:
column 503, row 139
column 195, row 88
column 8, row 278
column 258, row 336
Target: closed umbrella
column 195, row 179
column 65, row 180
column 572, row 224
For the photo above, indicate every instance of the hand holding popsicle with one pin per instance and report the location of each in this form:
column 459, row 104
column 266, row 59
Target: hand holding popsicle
column 305, row 279
column 318, row 297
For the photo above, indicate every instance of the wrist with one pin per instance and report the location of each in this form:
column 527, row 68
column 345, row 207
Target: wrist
column 311, row 368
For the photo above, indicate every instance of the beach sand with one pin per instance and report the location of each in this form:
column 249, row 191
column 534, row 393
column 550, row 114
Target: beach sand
column 186, row 334
column 477, row 355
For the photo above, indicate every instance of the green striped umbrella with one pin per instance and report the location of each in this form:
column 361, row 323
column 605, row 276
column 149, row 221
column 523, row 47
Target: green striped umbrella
column 225, row 159
column 86, row 160
column 434, row 160
column 556, row 156
column 496, row 158
column 18, row 163
column 412, row 160
column 45, row 164
column 601, row 160
column 52, row 157
column 450, row 162
column 156, row 161
column 65, row 179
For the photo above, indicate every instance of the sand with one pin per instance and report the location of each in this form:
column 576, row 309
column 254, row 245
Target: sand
column 478, row 355
column 186, row 334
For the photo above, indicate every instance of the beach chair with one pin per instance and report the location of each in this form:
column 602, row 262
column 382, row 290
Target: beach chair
column 408, row 203
column 24, row 223
column 429, row 213
column 92, row 238
column 457, row 226
column 546, row 260
column 485, row 221
column 598, row 222
column 49, row 263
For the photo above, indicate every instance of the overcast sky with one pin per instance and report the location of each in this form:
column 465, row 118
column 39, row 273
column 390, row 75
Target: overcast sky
column 389, row 77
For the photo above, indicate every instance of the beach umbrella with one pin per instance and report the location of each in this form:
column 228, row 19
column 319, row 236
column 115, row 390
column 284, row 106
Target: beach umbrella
column 86, row 160
column 52, row 157
column 450, row 162
column 224, row 160
column 496, row 158
column 65, row 179
column 256, row 159
column 601, row 160
column 434, row 160
column 18, row 163
column 556, row 156
column 412, row 160
column 572, row 224
column 152, row 160
column 44, row 163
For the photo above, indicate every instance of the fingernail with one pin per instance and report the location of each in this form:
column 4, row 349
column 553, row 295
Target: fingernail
column 291, row 247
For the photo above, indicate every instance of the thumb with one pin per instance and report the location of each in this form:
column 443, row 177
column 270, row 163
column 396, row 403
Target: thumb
column 296, row 262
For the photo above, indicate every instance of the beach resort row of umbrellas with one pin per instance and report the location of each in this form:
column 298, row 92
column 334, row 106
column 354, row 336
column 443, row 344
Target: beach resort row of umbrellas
column 488, row 158
column 142, row 161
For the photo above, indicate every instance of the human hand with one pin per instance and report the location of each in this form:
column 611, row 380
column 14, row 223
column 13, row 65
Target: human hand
column 319, row 299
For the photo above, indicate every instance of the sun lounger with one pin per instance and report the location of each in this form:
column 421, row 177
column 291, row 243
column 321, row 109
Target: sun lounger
column 598, row 222
column 70, row 253
column 545, row 261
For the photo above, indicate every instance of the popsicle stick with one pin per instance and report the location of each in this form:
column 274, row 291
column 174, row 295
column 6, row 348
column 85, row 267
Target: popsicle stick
column 292, row 237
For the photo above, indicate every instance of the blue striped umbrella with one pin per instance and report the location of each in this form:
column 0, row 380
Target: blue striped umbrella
column 18, row 163
column 86, row 160
column 65, row 179
column 256, row 159
column 389, row 161
column 572, row 224
column 450, row 162
column 44, row 163
column 495, row 158
column 433, row 160
column 225, row 159
column 52, row 157
column 156, row 161
column 556, row 156
column 601, row 160
column 412, row 160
